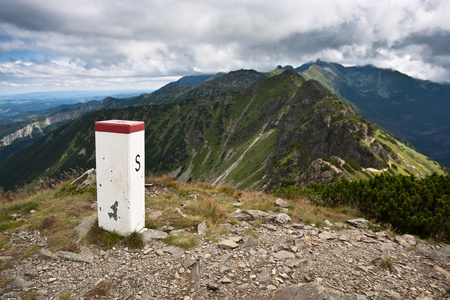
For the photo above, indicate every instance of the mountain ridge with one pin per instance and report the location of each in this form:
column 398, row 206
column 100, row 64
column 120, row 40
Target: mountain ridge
column 386, row 97
column 184, row 88
column 412, row 109
column 263, row 136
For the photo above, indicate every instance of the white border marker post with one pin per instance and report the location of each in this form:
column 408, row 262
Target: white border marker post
column 120, row 151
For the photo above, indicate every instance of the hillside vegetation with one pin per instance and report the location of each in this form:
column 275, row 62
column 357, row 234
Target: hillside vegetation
column 414, row 111
column 279, row 132
column 408, row 204
column 16, row 135
column 411, row 109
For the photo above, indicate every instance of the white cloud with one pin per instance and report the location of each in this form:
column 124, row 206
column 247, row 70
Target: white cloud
column 103, row 39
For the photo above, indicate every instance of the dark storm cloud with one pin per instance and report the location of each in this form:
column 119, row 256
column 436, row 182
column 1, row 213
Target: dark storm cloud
column 436, row 42
column 316, row 40
column 27, row 16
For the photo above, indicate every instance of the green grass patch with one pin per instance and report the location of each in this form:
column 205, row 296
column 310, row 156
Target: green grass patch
column 348, row 168
column 22, row 208
column 325, row 168
column 184, row 240
column 99, row 236
column 134, row 241
column 354, row 165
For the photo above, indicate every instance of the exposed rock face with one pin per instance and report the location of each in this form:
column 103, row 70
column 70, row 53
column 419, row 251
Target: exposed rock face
column 21, row 133
column 384, row 97
column 318, row 125
column 282, row 203
column 36, row 129
column 69, row 115
column 320, row 171
column 359, row 223
column 88, row 179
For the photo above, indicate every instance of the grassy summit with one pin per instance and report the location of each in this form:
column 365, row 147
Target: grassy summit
column 55, row 210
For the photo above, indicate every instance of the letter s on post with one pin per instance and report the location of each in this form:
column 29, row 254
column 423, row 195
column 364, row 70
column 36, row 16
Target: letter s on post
column 138, row 163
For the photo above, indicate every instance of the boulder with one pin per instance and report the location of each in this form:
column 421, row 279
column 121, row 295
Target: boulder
column 282, row 218
column 240, row 215
column 327, row 236
column 264, row 277
column 175, row 251
column 411, row 240
column 401, row 241
column 249, row 242
column 359, row 223
column 280, row 202
column 328, row 223
column 227, row 244
column 283, row 255
column 151, row 234
column 21, row 283
column 258, row 214
column 201, row 228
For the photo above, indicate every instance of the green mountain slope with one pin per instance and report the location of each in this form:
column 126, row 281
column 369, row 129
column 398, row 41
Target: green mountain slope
column 184, row 88
column 191, row 87
column 411, row 109
column 278, row 132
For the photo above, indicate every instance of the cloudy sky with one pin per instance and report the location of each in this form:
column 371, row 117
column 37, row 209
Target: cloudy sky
column 143, row 44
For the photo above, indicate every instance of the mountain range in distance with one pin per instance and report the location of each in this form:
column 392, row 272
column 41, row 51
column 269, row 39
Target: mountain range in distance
column 16, row 107
column 26, row 117
column 250, row 130
column 415, row 111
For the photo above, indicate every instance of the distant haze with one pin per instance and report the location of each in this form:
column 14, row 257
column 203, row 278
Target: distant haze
column 70, row 95
column 101, row 44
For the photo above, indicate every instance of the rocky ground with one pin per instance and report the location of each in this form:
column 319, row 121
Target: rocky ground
column 275, row 259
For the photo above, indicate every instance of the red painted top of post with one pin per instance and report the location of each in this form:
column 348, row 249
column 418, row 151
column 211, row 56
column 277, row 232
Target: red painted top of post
column 119, row 126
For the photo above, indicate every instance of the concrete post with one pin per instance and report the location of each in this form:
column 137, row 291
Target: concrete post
column 120, row 151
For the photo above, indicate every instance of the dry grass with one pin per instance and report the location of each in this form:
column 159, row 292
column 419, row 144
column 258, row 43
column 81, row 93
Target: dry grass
column 229, row 190
column 5, row 281
column 46, row 210
column 204, row 185
column 57, row 216
column 199, row 201
column 386, row 263
column 134, row 241
column 168, row 181
column 64, row 296
column 55, row 211
column 49, row 223
column 209, row 209
column 217, row 229
column 312, row 214
column 102, row 238
column 203, row 201
column 259, row 201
